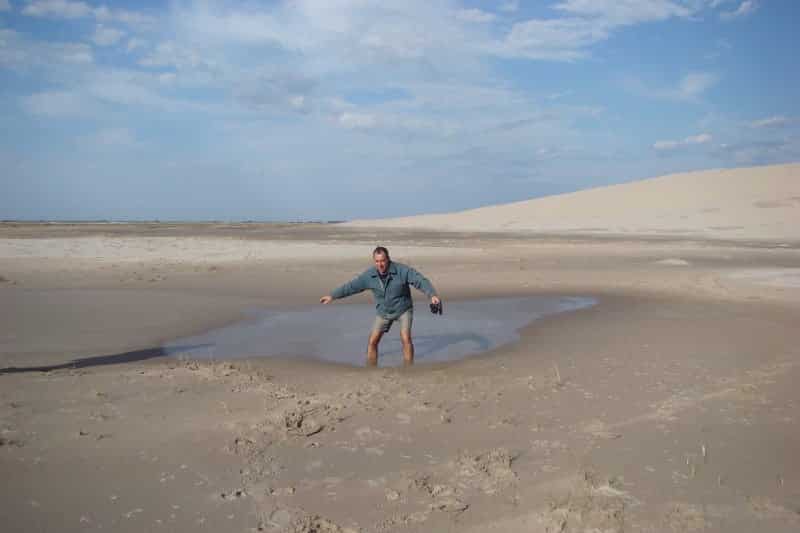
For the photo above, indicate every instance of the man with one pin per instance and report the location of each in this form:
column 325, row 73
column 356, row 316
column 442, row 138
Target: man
column 389, row 283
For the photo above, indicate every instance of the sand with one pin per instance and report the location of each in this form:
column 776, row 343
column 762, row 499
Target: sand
column 671, row 405
column 757, row 203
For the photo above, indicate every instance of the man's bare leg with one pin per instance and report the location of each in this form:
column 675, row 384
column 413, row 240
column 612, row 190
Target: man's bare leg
column 372, row 348
column 408, row 347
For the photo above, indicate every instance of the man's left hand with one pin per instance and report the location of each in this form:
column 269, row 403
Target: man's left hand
column 436, row 305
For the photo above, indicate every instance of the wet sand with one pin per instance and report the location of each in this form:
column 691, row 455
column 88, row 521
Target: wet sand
column 669, row 406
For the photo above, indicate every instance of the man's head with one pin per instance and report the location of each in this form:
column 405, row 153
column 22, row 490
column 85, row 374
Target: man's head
column 381, row 257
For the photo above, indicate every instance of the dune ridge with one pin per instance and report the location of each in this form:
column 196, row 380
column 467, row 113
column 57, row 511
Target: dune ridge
column 754, row 203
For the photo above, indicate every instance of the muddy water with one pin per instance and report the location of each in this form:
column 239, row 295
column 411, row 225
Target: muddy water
column 338, row 332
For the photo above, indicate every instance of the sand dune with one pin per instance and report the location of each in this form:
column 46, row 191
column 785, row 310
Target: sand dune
column 760, row 203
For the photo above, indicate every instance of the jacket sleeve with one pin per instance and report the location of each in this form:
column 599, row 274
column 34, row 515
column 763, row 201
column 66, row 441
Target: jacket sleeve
column 354, row 286
column 420, row 282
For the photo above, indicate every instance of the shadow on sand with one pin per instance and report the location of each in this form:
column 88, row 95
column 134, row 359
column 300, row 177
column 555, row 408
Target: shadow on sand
column 97, row 360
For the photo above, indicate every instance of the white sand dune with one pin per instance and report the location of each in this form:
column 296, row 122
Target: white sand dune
column 757, row 203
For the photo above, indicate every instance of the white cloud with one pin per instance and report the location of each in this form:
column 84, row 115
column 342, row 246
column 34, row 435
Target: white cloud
column 129, row 88
column 4, row 5
column 273, row 90
column 105, row 36
column 298, row 102
column 415, row 124
column 776, row 121
column 18, row 51
column 130, row 18
column 694, row 84
column 720, row 46
column 167, row 78
column 104, row 90
column 703, row 138
column 109, row 137
column 342, row 35
column 280, row 26
column 57, row 9
column 54, row 104
column 587, row 23
column 173, row 54
column 357, row 121
column 625, row 12
column 559, row 95
column 70, row 9
column 135, row 43
column 745, row 8
column 346, row 34
column 511, row 6
column 475, row 15
column 688, row 89
column 666, row 145
column 760, row 151
column 553, row 39
column 663, row 146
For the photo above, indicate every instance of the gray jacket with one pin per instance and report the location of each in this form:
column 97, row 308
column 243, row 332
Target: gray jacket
column 392, row 296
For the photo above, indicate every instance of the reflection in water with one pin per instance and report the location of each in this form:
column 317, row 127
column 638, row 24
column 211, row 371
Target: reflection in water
column 427, row 346
column 339, row 332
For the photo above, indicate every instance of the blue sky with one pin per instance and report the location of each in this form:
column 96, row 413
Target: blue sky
column 341, row 109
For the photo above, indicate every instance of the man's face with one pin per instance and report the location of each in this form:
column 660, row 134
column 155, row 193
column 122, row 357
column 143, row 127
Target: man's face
column 381, row 263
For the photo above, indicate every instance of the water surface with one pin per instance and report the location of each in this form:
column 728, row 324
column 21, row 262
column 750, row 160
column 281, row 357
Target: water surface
column 338, row 332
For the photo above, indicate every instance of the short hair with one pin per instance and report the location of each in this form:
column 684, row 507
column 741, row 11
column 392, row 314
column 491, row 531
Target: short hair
column 380, row 250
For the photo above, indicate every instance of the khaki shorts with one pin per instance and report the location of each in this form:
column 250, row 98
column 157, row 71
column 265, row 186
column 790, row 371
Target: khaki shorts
column 384, row 324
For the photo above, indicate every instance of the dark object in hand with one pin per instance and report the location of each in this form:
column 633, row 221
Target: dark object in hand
column 437, row 309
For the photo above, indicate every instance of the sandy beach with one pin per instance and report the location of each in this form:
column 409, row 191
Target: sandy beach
column 740, row 204
column 671, row 405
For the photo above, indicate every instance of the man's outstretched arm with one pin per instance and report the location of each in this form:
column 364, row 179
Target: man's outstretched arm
column 354, row 286
column 422, row 283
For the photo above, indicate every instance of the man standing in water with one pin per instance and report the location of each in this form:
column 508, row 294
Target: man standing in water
column 389, row 283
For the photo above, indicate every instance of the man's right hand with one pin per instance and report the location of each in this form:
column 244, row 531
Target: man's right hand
column 325, row 300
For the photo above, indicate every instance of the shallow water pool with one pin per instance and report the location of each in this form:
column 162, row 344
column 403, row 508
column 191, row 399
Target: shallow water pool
column 338, row 332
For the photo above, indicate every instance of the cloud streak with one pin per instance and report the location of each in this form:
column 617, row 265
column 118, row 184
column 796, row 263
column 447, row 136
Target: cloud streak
column 775, row 121
column 20, row 52
column 689, row 88
column 625, row 12
column 747, row 7
column 105, row 36
column 72, row 10
column 475, row 15
column 57, row 9
column 56, row 104
column 693, row 140
column 587, row 23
